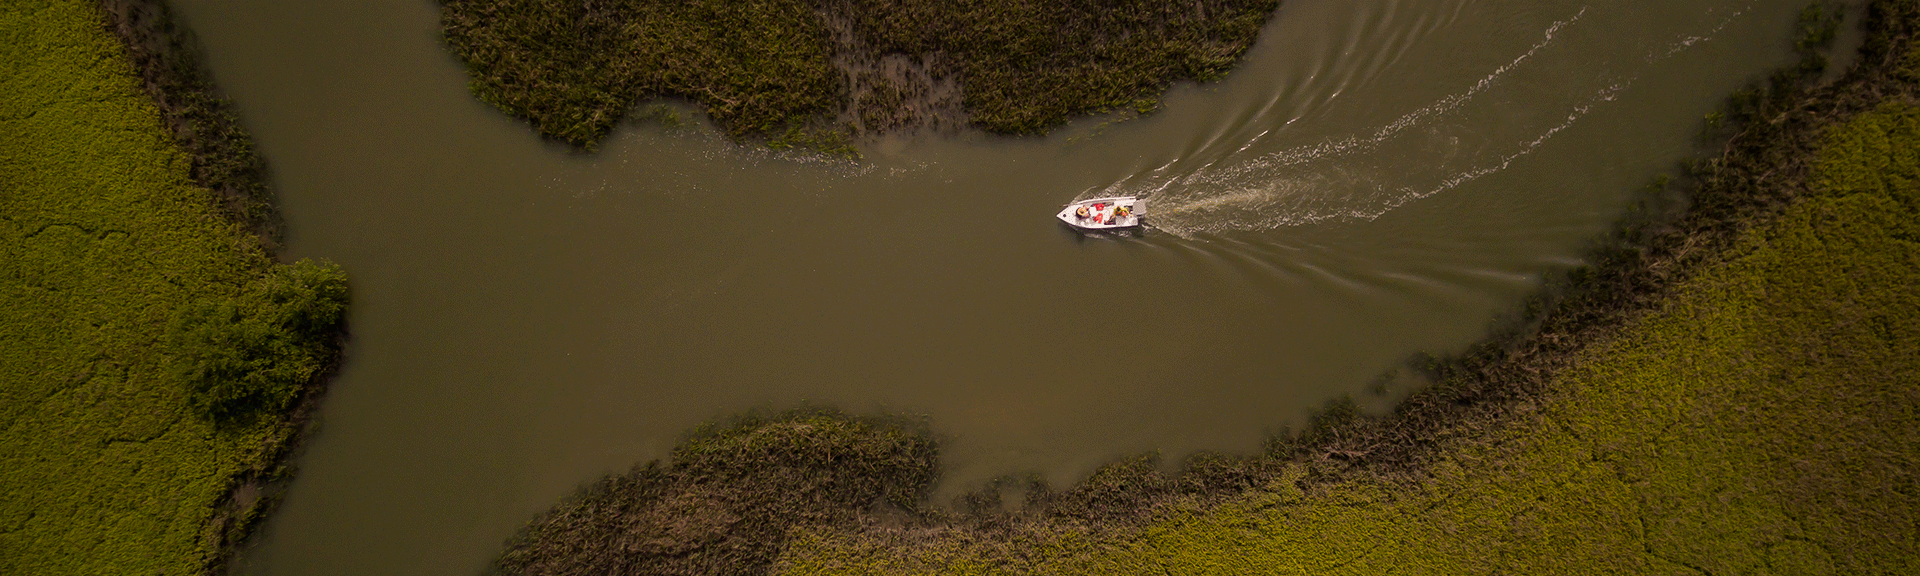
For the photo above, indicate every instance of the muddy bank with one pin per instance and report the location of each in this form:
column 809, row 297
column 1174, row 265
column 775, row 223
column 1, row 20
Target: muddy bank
column 1767, row 136
column 202, row 121
column 819, row 72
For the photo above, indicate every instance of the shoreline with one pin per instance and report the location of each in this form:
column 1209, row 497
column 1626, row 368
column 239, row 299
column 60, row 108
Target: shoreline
column 225, row 358
column 1775, row 133
column 1770, row 136
column 203, row 122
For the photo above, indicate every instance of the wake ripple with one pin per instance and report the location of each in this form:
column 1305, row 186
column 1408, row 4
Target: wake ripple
column 1360, row 177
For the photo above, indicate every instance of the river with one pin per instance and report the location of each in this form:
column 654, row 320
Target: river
column 1380, row 178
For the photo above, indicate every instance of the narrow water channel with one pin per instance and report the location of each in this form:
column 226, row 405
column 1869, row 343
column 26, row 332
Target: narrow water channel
column 1380, row 178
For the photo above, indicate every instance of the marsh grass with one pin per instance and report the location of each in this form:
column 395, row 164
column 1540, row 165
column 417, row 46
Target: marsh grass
column 726, row 500
column 801, row 72
column 167, row 59
column 1730, row 386
column 1027, row 66
column 574, row 68
column 133, row 233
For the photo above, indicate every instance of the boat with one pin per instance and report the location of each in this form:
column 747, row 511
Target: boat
column 1115, row 213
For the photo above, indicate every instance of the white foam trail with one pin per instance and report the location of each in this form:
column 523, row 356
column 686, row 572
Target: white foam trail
column 1208, row 174
column 1277, row 200
column 1275, row 190
column 1179, row 219
column 1684, row 43
column 1605, row 95
column 1414, row 118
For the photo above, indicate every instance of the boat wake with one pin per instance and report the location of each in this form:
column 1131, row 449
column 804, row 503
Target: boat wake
column 1430, row 150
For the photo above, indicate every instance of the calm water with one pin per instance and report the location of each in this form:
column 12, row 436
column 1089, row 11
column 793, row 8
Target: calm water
column 1380, row 178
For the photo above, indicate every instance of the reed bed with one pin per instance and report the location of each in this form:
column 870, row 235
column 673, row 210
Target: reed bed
column 769, row 68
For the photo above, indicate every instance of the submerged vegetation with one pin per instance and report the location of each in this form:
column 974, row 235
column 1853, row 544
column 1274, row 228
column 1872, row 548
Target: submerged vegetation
column 153, row 357
column 1731, row 386
column 803, row 70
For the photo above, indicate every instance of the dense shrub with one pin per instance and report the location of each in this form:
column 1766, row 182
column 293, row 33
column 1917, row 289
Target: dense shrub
column 255, row 352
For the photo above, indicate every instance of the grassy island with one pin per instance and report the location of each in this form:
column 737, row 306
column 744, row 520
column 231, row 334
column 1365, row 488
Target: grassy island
column 1731, row 387
column 153, row 356
column 814, row 72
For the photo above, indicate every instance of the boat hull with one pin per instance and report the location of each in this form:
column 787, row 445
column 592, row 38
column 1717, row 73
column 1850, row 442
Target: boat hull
column 1114, row 213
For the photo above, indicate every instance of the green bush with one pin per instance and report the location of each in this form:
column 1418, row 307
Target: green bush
column 255, row 352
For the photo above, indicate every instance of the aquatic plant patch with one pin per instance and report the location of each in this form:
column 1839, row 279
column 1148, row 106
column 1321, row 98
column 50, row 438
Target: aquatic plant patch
column 1026, row 66
column 574, row 68
column 795, row 69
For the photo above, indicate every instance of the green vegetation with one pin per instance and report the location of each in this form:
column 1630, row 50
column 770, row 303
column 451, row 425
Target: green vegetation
column 254, row 353
column 110, row 234
column 574, row 68
column 220, row 155
column 812, row 70
column 728, row 499
column 1760, row 413
column 1764, row 419
column 1733, row 386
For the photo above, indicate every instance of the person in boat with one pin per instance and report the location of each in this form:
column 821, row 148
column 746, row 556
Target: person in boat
column 1121, row 212
column 1081, row 212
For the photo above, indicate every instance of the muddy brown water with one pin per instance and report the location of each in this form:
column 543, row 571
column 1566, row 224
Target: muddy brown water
column 1380, row 178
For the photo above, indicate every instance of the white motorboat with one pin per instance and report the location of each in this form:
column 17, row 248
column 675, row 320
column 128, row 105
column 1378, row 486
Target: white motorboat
column 1104, row 213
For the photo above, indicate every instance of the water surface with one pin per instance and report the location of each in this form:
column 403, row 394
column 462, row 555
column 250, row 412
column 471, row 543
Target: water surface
column 1380, row 178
